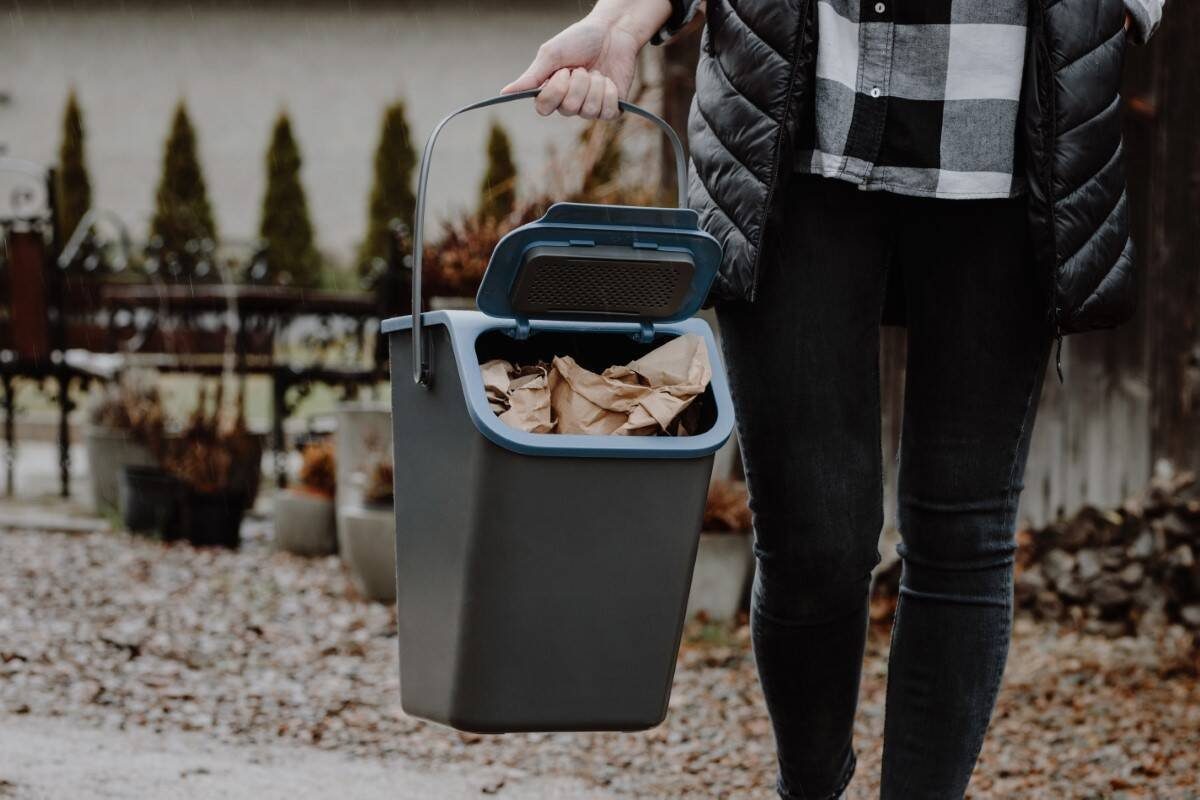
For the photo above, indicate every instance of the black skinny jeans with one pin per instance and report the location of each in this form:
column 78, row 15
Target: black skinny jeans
column 804, row 367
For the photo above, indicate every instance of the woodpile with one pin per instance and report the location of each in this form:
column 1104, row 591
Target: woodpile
column 1117, row 572
column 1131, row 570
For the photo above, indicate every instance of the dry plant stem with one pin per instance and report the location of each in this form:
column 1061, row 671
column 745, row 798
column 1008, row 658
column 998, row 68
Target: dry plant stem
column 135, row 408
column 727, row 508
column 379, row 488
column 318, row 469
column 210, row 450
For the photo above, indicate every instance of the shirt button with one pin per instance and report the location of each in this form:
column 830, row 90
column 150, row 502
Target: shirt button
column 880, row 8
column 875, row 92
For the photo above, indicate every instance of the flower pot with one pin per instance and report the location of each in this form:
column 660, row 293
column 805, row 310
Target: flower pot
column 109, row 449
column 364, row 434
column 246, row 471
column 724, row 563
column 305, row 524
column 149, row 501
column 213, row 519
column 367, row 543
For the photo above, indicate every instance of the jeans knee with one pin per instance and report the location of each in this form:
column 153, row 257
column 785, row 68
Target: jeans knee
column 963, row 534
column 958, row 550
column 810, row 596
column 815, row 553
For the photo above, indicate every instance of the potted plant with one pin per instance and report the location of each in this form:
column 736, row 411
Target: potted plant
column 126, row 425
column 725, row 556
column 149, row 501
column 209, row 461
column 246, row 454
column 305, row 521
column 367, row 533
column 363, row 435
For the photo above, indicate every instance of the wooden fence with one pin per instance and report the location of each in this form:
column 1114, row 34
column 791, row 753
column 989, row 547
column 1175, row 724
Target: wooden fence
column 1131, row 399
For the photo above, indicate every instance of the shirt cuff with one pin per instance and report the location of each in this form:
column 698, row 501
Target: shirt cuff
column 684, row 11
column 1144, row 18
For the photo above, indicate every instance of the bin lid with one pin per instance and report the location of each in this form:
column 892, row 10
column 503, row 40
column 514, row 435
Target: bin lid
column 605, row 263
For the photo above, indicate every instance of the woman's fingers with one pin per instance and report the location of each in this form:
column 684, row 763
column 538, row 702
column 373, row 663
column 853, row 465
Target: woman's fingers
column 610, row 108
column 593, row 103
column 573, row 92
column 545, row 63
column 553, row 92
column 577, row 92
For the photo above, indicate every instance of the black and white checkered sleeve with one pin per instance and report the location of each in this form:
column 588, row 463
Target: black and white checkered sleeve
column 1144, row 16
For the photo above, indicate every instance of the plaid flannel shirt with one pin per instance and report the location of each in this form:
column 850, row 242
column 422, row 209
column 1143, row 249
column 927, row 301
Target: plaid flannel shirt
column 920, row 97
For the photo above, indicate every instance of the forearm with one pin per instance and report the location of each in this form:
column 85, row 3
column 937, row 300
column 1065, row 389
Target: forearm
column 641, row 19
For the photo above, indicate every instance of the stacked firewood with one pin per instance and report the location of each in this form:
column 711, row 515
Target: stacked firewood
column 1117, row 572
column 1121, row 571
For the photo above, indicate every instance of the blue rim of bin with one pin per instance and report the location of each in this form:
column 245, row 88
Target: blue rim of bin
column 465, row 327
column 580, row 227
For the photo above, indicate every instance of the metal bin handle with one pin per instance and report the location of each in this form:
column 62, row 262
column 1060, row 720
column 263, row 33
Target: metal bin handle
column 421, row 371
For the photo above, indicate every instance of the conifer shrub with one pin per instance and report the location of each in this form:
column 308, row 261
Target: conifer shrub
column 392, row 197
column 74, row 187
column 286, row 229
column 182, row 213
column 498, row 191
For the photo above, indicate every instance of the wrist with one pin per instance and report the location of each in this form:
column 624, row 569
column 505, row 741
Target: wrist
column 641, row 19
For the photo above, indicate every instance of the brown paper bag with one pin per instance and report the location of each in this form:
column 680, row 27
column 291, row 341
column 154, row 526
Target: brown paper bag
column 587, row 403
column 496, row 383
column 643, row 398
column 529, row 401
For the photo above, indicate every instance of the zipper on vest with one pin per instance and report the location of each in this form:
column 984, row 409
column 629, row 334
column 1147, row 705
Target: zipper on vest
column 1058, row 359
column 1057, row 332
column 802, row 29
column 1042, row 65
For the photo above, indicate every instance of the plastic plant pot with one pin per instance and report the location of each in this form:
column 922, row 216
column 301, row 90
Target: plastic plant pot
column 213, row 519
column 305, row 524
column 149, row 501
column 108, row 450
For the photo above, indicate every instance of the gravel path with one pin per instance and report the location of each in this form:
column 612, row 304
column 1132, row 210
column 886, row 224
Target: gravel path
column 56, row 758
column 267, row 651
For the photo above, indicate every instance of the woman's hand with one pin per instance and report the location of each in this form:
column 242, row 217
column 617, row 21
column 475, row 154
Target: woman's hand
column 586, row 68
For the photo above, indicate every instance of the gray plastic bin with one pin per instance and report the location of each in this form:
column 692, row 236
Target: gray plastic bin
column 543, row 579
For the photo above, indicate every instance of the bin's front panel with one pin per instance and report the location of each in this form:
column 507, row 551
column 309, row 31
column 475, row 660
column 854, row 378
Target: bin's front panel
column 577, row 591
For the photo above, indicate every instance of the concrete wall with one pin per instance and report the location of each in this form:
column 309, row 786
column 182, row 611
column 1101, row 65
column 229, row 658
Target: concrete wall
column 333, row 65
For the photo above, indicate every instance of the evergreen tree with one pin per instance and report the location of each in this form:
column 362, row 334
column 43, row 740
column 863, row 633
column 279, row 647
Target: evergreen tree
column 606, row 167
column 498, row 192
column 392, row 195
column 74, row 188
column 286, row 227
column 182, row 211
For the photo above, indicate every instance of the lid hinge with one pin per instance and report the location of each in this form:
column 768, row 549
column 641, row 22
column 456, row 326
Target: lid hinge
column 645, row 333
column 521, row 331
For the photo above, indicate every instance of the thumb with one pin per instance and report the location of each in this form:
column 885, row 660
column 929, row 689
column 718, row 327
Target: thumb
column 545, row 64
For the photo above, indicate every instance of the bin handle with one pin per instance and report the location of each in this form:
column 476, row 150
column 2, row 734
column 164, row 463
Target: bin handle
column 421, row 370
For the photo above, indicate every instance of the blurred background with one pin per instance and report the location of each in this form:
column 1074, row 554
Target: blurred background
column 205, row 212
column 333, row 67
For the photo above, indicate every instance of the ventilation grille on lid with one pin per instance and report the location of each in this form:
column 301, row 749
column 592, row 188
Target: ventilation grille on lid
column 602, row 281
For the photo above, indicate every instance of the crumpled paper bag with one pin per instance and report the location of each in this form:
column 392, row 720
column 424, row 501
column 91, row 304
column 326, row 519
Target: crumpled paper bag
column 520, row 396
column 645, row 397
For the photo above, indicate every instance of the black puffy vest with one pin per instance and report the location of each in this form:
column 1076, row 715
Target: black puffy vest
column 754, row 88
